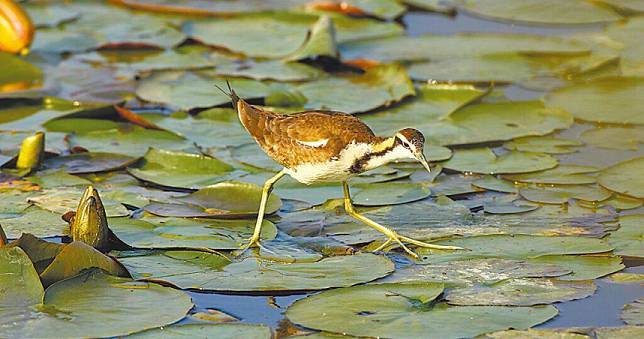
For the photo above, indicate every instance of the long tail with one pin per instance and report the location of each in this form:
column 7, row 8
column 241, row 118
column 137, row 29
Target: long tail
column 231, row 94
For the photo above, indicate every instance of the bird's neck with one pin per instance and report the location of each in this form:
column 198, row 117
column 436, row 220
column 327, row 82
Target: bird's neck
column 381, row 152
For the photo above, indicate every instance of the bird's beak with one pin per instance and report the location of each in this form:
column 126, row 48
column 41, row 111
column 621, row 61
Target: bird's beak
column 421, row 158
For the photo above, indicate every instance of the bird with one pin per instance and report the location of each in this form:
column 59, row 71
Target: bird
column 327, row 146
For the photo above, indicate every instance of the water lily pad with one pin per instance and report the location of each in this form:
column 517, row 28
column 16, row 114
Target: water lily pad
column 522, row 292
column 383, row 310
column 563, row 174
column 583, row 267
column 151, row 232
column 17, row 270
column 628, row 239
column 93, row 295
column 483, row 160
column 282, row 33
column 515, row 247
column 619, row 332
column 269, row 70
column 487, row 122
column 51, row 15
column 216, row 127
column 249, row 331
column 507, row 207
column 62, row 200
column 556, row 333
column 37, row 221
column 432, row 101
column 493, row 183
column 476, row 271
column 391, row 193
column 633, row 314
column 606, row 100
column 200, row 270
column 378, row 86
column 626, row 278
column 624, row 178
column 561, row 194
column 181, row 170
column 57, row 179
column 441, row 47
column 622, row 202
column 82, row 163
column 222, row 200
column 251, row 154
column 188, row 90
column 23, row 74
column 320, row 42
column 129, row 140
column 542, row 12
column 550, row 145
column 624, row 138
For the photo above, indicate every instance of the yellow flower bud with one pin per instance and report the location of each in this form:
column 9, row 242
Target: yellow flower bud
column 90, row 223
column 16, row 29
column 32, row 151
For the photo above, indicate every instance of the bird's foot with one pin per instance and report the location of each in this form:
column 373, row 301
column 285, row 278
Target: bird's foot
column 400, row 240
column 252, row 242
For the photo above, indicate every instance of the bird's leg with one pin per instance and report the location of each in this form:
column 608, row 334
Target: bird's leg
column 392, row 235
column 266, row 192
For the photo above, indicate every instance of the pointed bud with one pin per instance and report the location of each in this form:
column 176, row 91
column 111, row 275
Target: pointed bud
column 3, row 237
column 32, row 151
column 90, row 223
column 16, row 29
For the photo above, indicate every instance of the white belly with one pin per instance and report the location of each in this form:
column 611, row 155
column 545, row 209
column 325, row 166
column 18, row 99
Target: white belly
column 334, row 170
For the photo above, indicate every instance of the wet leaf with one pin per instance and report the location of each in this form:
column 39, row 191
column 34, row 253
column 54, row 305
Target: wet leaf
column 200, row 270
column 154, row 232
column 623, row 138
column 624, row 178
column 70, row 308
column 39, row 222
column 320, row 42
column 57, row 179
column 23, row 74
column 633, row 313
column 605, row 100
column 515, row 247
column 270, row 70
column 550, row 145
column 583, row 267
column 499, row 121
column 82, row 163
column 379, row 86
column 483, row 160
column 542, row 12
column 61, row 200
column 563, row 174
column 628, row 239
column 181, row 170
column 492, row 183
column 384, row 310
column 522, row 292
column 507, row 207
column 441, row 47
column 476, row 271
column 17, row 271
column 561, row 194
column 390, row 193
column 250, row 331
column 129, row 140
column 51, row 15
column 223, row 200
column 188, row 90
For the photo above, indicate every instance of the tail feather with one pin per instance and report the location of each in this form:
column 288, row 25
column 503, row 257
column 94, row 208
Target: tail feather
column 231, row 94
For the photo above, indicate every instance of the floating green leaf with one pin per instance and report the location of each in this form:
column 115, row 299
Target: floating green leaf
column 561, row 194
column 483, row 160
column 82, row 163
column 584, row 267
column 200, row 270
column 390, row 193
column 563, row 174
column 624, row 178
column 628, row 239
column 270, row 70
column 23, row 74
column 153, row 232
column 550, row 145
column 493, row 183
column 542, row 12
column 17, row 271
column 64, row 199
column 383, row 310
column 249, row 331
column 320, row 42
column 606, row 100
column 625, row 138
column 94, row 295
column 181, row 170
column 37, row 221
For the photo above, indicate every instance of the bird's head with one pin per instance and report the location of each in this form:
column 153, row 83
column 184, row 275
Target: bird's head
column 412, row 141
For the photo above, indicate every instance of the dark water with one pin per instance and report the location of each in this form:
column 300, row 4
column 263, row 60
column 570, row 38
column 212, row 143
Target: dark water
column 602, row 309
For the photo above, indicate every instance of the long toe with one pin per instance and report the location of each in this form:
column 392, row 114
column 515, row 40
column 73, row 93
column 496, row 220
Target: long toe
column 428, row 245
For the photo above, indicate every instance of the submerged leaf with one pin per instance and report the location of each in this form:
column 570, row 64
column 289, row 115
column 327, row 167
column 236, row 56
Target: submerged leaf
column 633, row 314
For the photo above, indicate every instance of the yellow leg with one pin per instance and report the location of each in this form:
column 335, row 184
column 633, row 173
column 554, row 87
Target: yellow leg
column 392, row 235
column 266, row 192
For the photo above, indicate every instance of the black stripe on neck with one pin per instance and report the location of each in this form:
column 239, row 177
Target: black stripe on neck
column 360, row 163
